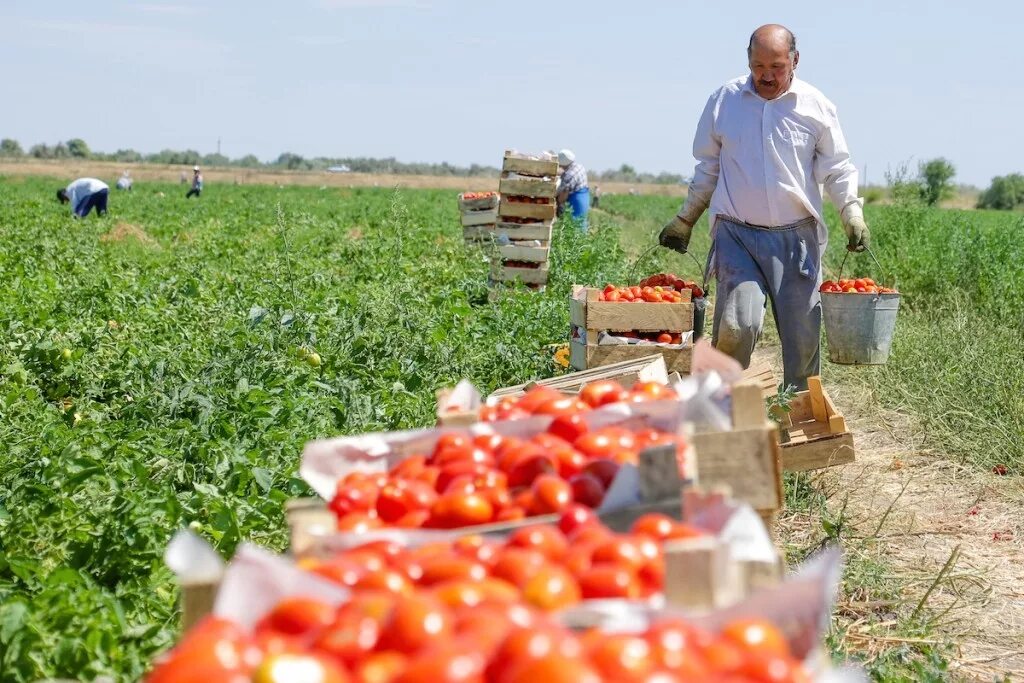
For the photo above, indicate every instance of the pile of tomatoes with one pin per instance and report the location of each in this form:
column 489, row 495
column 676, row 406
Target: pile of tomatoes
column 477, row 195
column 638, row 294
column 544, row 566
column 379, row 637
column 861, row 285
column 542, row 400
column 673, row 281
column 468, row 480
column 522, row 199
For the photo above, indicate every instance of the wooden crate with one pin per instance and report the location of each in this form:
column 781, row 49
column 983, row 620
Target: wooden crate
column 526, row 164
column 478, row 203
column 485, row 217
column 530, row 254
column 478, row 233
column 763, row 375
column 650, row 368
column 530, row 276
column 537, row 212
column 522, row 186
column 746, row 459
column 584, row 355
column 813, row 433
column 519, row 232
column 587, row 312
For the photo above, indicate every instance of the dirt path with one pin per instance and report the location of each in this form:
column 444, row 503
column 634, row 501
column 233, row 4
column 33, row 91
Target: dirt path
column 911, row 509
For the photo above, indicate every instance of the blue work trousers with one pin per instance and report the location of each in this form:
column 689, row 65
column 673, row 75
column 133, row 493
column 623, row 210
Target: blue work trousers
column 579, row 202
column 754, row 265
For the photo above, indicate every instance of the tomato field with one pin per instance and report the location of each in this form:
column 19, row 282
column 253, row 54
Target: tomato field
column 163, row 367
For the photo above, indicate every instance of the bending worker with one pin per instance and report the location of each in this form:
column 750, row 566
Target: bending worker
column 572, row 189
column 84, row 194
column 765, row 145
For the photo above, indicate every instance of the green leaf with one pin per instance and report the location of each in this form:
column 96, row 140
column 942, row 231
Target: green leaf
column 263, row 478
column 12, row 618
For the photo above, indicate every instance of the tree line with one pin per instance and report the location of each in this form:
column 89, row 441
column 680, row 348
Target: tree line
column 77, row 148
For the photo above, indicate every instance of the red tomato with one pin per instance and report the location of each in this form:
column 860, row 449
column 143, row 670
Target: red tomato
column 569, row 426
column 551, row 494
column 459, row 509
column 535, row 397
column 654, row 524
column 619, row 656
column 212, row 650
column 517, row 565
column 450, row 567
column 587, row 490
column 609, row 581
column 390, row 580
column 288, row 667
column 526, row 471
column 415, row 621
column 298, row 616
column 574, row 517
column 547, row 540
column 602, row 392
column 350, row 638
column 604, row 469
column 458, row 662
column 756, row 635
column 381, row 667
column 563, row 405
column 551, row 588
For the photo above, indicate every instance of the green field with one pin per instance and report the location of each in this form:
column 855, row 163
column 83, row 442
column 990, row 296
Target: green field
column 183, row 398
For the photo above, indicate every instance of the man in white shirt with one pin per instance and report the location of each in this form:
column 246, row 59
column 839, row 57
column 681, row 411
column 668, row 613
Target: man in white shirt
column 765, row 145
column 85, row 194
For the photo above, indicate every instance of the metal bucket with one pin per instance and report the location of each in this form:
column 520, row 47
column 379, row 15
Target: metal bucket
column 859, row 327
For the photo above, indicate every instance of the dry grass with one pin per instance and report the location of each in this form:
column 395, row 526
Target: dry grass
column 949, row 537
column 124, row 231
column 70, row 168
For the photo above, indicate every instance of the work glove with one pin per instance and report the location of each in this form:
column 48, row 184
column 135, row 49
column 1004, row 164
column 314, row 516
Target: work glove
column 676, row 235
column 857, row 232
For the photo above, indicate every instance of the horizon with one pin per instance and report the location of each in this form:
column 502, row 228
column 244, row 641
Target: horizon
column 450, row 81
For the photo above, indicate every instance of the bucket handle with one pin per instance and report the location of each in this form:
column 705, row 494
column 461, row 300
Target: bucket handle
column 872, row 255
column 645, row 254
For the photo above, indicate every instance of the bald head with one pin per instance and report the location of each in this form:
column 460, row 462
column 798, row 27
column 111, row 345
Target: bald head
column 772, row 56
column 772, row 37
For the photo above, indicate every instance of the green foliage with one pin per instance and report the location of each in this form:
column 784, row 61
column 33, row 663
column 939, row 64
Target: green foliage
column 1005, row 192
column 194, row 405
column 11, row 148
column 78, row 149
column 936, row 180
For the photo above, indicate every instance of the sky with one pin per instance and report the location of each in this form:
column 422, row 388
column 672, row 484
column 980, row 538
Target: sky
column 461, row 81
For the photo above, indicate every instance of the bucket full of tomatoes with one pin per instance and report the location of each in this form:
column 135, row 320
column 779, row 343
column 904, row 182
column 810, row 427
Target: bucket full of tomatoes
column 700, row 302
column 860, row 319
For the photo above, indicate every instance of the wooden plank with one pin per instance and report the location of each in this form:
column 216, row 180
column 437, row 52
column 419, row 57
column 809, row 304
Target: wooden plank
column 814, row 391
column 625, row 316
column 528, row 165
column 745, row 460
column 698, row 574
column 800, row 408
column 540, row 212
column 514, row 252
column 487, row 217
column 197, row 601
column 543, row 188
column 478, row 203
column 748, row 409
column 676, row 360
column 523, row 231
column 763, row 374
column 836, row 421
column 659, row 473
column 817, row 453
column 503, row 273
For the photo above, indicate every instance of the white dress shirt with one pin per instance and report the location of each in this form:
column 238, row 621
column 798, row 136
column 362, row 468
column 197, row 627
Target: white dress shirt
column 764, row 161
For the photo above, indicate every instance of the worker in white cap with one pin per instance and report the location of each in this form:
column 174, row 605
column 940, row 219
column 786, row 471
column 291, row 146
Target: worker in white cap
column 197, row 183
column 573, row 190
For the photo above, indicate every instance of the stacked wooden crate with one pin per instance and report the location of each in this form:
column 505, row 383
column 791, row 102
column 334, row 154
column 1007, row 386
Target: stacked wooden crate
column 479, row 215
column 590, row 317
column 526, row 213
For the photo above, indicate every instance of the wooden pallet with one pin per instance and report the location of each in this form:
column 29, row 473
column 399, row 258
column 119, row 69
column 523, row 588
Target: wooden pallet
column 523, row 186
column 813, row 433
column 746, row 459
column 525, row 164
column 484, row 217
column 478, row 203
column 587, row 312
column 528, row 276
column 537, row 212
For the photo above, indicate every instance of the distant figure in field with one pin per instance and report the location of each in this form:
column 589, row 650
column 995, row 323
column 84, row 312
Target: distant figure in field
column 197, row 183
column 595, row 199
column 125, row 181
column 84, row 194
column 573, row 191
column 183, row 178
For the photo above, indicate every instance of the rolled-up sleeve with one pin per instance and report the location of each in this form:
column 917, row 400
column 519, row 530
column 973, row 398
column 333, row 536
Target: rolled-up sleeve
column 707, row 149
column 833, row 168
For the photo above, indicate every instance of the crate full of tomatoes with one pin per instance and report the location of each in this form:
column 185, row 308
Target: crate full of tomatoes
column 536, row 457
column 481, row 611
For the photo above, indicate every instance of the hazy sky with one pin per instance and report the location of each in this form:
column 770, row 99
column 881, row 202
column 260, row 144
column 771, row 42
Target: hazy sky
column 459, row 81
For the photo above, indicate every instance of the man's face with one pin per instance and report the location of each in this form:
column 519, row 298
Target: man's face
column 771, row 67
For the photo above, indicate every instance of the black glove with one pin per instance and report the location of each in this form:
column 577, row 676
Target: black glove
column 676, row 235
